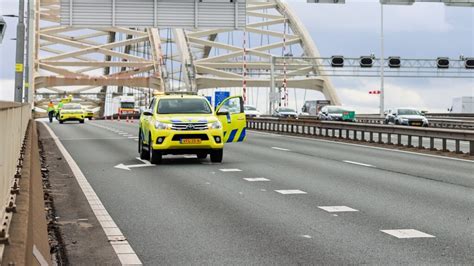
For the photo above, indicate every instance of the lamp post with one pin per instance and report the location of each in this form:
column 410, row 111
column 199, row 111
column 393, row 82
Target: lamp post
column 20, row 52
column 382, row 64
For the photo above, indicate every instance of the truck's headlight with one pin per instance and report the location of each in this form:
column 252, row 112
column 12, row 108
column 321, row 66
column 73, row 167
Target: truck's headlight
column 215, row 125
column 160, row 125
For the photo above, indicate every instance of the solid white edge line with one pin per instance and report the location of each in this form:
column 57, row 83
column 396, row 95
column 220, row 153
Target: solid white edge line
column 361, row 164
column 113, row 233
column 363, row 146
column 39, row 257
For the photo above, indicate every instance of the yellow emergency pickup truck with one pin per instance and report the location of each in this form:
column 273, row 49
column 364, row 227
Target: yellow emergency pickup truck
column 187, row 124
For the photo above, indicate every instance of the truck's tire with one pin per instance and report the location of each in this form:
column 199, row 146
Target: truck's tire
column 144, row 154
column 202, row 155
column 155, row 156
column 81, row 121
column 217, row 155
column 60, row 121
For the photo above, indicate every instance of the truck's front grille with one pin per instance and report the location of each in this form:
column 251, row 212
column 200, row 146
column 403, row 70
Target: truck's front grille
column 189, row 126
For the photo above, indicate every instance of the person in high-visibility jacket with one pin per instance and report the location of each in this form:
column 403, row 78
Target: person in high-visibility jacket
column 59, row 107
column 51, row 111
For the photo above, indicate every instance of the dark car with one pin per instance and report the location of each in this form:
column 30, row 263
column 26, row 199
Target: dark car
column 406, row 116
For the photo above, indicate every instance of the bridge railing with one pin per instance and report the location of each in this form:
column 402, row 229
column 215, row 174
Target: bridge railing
column 14, row 120
column 416, row 137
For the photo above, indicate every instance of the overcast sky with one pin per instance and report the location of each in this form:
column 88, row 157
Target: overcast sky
column 423, row 30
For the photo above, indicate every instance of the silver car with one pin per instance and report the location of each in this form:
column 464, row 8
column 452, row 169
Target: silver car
column 285, row 112
column 406, row 116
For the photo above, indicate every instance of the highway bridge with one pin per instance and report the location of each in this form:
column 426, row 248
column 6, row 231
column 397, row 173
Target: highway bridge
column 296, row 191
column 279, row 200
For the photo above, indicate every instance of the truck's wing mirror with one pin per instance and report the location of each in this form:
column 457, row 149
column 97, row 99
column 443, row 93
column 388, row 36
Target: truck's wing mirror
column 223, row 112
column 147, row 112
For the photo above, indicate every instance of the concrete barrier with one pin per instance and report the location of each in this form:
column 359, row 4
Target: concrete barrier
column 14, row 119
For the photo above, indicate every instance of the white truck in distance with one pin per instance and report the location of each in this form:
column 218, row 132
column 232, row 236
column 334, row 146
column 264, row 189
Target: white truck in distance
column 463, row 105
column 124, row 105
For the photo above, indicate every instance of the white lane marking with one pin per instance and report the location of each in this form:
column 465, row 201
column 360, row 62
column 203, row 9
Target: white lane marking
column 337, row 209
column 133, row 137
column 407, row 233
column 263, row 190
column 363, row 146
column 101, row 213
column 189, row 156
column 143, row 161
column 306, row 236
column 280, row 149
column 257, row 179
column 127, row 167
column 39, row 257
column 290, row 191
column 361, row 164
column 230, row 170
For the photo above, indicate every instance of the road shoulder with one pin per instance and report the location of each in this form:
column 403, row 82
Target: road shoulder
column 84, row 239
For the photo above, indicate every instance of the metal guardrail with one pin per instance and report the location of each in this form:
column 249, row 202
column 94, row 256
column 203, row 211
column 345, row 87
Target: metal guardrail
column 383, row 134
column 434, row 122
column 14, row 120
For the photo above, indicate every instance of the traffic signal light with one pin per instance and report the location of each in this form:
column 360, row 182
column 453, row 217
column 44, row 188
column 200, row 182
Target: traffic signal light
column 337, row 61
column 3, row 28
column 443, row 62
column 469, row 63
column 366, row 61
column 375, row 92
column 394, row 62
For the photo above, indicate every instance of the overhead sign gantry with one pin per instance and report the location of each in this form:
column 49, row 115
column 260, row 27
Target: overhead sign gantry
column 154, row 13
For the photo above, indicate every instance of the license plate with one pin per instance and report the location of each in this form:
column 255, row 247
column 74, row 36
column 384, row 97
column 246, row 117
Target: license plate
column 416, row 124
column 190, row 141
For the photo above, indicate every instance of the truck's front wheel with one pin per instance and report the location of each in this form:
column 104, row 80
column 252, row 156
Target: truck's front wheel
column 155, row 155
column 217, row 155
column 144, row 154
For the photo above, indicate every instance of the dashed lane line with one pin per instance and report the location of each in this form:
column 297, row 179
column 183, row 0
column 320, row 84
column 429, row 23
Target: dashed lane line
column 230, row 170
column 407, row 233
column 337, row 209
column 360, row 164
column 257, row 179
column 290, row 191
column 280, row 149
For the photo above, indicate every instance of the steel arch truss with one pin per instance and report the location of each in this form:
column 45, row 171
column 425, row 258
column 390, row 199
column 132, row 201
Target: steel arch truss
column 272, row 20
column 74, row 60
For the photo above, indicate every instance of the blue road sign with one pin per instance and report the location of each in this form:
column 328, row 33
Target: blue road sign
column 220, row 96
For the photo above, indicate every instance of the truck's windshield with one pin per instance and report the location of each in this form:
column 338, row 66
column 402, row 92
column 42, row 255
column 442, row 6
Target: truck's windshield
column 127, row 105
column 183, row 106
column 408, row 112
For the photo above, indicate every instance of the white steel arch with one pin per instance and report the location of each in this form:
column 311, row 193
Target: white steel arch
column 267, row 20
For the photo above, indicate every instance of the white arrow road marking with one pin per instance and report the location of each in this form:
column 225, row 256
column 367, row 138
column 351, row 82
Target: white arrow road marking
column 127, row 167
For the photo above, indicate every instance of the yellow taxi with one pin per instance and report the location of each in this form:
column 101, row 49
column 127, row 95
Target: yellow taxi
column 187, row 124
column 71, row 112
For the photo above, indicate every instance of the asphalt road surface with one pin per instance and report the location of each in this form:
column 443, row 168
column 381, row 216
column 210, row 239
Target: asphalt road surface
column 280, row 200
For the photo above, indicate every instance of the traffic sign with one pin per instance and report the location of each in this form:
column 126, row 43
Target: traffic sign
column 220, row 96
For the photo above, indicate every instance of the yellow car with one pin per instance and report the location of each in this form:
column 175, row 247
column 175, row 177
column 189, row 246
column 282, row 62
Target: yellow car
column 187, row 124
column 88, row 113
column 71, row 112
